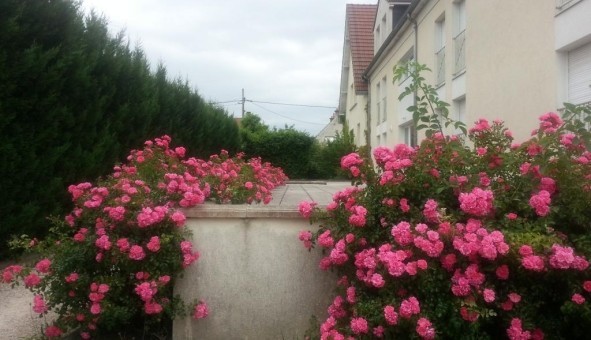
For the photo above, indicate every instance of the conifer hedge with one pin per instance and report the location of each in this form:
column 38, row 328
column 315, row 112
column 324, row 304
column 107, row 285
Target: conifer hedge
column 73, row 101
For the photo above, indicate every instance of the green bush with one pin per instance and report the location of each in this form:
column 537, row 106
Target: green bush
column 285, row 148
column 326, row 159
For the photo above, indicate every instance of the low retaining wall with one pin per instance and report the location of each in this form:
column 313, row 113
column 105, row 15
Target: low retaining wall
column 255, row 275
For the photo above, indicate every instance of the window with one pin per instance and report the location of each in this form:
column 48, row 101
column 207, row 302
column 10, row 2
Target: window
column 409, row 56
column 579, row 75
column 384, row 96
column 403, row 115
column 440, row 51
column 378, row 102
column 409, row 134
column 358, row 134
column 384, row 30
column 377, row 38
column 459, row 36
column 460, row 112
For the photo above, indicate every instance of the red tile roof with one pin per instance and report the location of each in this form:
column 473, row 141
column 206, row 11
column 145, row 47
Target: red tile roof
column 360, row 22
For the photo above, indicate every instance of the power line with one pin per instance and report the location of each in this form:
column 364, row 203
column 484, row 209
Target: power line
column 280, row 115
column 305, row 105
column 227, row 101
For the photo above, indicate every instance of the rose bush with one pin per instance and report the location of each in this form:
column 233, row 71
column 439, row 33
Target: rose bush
column 110, row 266
column 484, row 239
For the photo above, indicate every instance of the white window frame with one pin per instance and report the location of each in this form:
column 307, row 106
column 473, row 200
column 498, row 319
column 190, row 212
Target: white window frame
column 440, row 41
column 459, row 39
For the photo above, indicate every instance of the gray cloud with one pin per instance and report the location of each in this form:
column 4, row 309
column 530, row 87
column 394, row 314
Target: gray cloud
column 278, row 51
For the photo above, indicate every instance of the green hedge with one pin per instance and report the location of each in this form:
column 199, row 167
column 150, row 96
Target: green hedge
column 73, row 101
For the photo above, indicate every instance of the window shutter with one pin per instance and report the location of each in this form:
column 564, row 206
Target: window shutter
column 579, row 75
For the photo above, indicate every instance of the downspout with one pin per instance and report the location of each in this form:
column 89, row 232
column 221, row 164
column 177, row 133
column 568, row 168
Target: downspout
column 416, row 55
column 368, row 115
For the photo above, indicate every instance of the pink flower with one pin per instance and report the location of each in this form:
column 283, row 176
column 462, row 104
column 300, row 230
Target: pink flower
column 136, row 253
column 430, row 211
column 404, row 205
column 39, row 305
column 53, row 332
column 146, row 290
column 178, row 218
column 587, row 286
column 73, row 277
column 123, row 245
column 562, row 257
column 478, row 202
column 103, row 242
column 468, row 315
column 180, row 151
column 516, row 332
column 43, row 266
column 32, row 280
column 357, row 219
column 116, row 213
column 152, row 307
column 502, row 272
column 164, row 279
column 533, row 262
column 378, row 332
column 248, row 185
column 511, row 216
column 201, row 311
column 306, row 208
column 154, row 244
column 390, row 315
column 541, row 202
column 306, row 237
column 95, row 308
column 325, row 240
column 514, row 297
column 352, row 159
column 103, row 288
column 359, row 325
column 425, row 329
column 377, row 280
column 525, row 250
column 351, row 295
column 489, row 295
column 8, row 273
column 409, row 307
column 578, row 299
column 550, row 122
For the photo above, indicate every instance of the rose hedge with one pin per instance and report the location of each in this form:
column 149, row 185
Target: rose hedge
column 110, row 265
column 484, row 239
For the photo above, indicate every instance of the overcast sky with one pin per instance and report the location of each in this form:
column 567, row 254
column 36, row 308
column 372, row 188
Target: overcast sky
column 277, row 50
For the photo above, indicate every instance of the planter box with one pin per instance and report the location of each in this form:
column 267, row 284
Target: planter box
column 255, row 275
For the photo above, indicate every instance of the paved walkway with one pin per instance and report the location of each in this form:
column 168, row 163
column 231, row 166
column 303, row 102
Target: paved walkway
column 294, row 192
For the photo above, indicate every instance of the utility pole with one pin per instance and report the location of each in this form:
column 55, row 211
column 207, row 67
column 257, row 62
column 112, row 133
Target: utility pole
column 243, row 100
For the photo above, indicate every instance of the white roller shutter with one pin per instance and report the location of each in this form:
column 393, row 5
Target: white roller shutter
column 579, row 75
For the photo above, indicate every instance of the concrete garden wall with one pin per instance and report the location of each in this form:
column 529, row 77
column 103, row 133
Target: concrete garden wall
column 256, row 276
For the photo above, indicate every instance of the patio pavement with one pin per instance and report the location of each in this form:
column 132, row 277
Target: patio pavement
column 291, row 194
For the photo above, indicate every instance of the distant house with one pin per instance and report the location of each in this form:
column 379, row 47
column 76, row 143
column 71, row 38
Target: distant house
column 494, row 59
column 358, row 48
column 329, row 132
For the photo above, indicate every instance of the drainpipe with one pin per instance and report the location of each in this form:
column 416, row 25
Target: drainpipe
column 415, row 52
column 368, row 115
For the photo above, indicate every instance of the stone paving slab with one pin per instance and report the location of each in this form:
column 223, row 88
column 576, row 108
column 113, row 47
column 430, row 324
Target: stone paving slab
column 284, row 204
column 291, row 194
